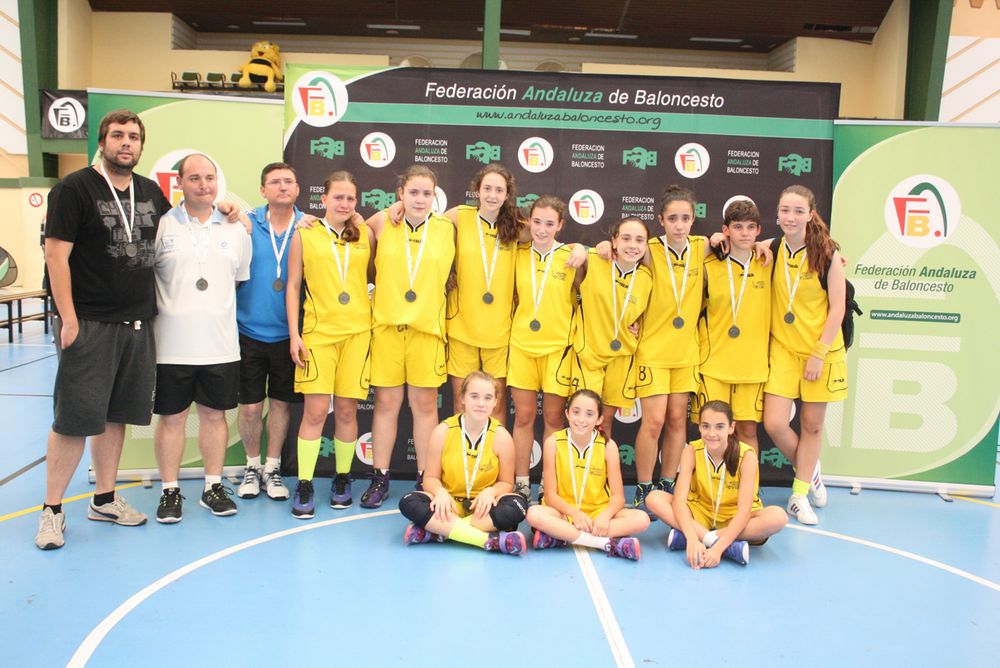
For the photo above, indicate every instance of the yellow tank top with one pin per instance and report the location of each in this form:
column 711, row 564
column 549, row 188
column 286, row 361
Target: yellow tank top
column 595, row 321
column 326, row 319
column 663, row 345
column 810, row 308
column 453, row 464
column 470, row 318
column 594, row 491
column 705, row 485
column 743, row 358
column 426, row 313
column 554, row 331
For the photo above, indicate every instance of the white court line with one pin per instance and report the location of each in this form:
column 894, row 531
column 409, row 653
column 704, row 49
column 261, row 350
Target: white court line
column 613, row 632
column 94, row 638
column 989, row 584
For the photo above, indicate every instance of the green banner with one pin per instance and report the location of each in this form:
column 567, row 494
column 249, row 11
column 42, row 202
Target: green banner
column 177, row 125
column 914, row 210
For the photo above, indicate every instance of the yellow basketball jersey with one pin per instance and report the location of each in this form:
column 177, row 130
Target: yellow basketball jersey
column 453, row 463
column 325, row 318
column 663, row 345
column 596, row 494
column 741, row 358
column 705, row 485
column 555, row 309
column 810, row 307
column 595, row 319
column 470, row 318
column 426, row 312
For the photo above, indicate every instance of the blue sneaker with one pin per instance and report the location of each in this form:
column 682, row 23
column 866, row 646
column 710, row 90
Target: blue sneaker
column 377, row 492
column 415, row 535
column 543, row 541
column 303, row 503
column 507, row 542
column 738, row 551
column 626, row 547
column 639, row 500
column 665, row 485
column 676, row 540
column 340, row 494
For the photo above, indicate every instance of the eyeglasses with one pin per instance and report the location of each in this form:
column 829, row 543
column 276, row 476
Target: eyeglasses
column 280, row 182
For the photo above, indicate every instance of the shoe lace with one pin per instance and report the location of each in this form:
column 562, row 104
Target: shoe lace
column 219, row 491
column 305, row 491
column 340, row 484
column 48, row 523
column 274, row 480
column 171, row 497
column 251, row 476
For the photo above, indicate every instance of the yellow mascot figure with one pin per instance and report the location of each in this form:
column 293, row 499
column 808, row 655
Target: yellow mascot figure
column 264, row 66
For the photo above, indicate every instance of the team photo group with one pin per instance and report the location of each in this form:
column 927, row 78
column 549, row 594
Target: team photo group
column 161, row 307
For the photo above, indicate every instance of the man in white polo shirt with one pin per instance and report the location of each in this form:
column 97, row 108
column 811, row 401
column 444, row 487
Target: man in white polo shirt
column 199, row 260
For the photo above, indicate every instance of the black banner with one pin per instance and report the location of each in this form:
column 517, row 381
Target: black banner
column 64, row 114
column 607, row 145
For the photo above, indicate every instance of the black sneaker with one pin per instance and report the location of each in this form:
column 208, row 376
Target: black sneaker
column 170, row 508
column 340, row 496
column 217, row 500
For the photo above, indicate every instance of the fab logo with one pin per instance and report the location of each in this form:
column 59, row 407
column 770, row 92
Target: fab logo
column 377, row 149
column 586, row 207
column 922, row 211
column 319, row 99
column 364, row 448
column 535, row 154
column 691, row 160
column 440, row 204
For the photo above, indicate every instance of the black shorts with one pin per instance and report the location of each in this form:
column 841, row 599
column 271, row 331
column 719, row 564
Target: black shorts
column 266, row 367
column 107, row 375
column 210, row 385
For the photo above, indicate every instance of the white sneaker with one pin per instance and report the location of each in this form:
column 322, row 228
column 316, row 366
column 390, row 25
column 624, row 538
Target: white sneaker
column 817, row 490
column 274, row 486
column 523, row 490
column 250, row 486
column 50, row 530
column 799, row 508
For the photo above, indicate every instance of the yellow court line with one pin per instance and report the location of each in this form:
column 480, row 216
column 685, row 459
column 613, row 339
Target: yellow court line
column 35, row 509
column 963, row 498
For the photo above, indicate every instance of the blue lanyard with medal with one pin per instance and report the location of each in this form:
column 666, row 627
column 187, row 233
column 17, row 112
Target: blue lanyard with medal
column 131, row 248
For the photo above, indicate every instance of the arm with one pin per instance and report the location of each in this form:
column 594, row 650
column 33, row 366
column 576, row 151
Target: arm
column 580, row 519
column 293, row 292
column 695, row 548
column 581, row 273
column 578, row 257
column 836, row 285
column 373, row 245
column 441, row 502
column 57, row 254
column 602, row 523
column 377, row 221
column 503, row 446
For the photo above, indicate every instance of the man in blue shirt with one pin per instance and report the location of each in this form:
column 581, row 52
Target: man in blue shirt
column 266, row 365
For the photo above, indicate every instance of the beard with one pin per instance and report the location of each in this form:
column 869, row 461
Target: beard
column 116, row 166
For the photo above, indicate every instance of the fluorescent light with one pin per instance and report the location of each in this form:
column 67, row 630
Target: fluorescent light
column 720, row 40
column 610, row 35
column 511, row 31
column 391, row 26
column 281, row 22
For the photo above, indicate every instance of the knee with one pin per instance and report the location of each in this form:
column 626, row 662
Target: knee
column 388, row 401
column 509, row 511
column 652, row 424
column 523, row 417
column 345, row 409
column 677, row 419
column 416, row 507
column 251, row 412
column 811, row 427
column 553, row 418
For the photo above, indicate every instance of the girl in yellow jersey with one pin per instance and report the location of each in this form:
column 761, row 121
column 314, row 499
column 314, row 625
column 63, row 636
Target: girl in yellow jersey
column 542, row 334
column 807, row 357
column 613, row 297
column 335, row 259
column 585, row 504
column 469, row 480
column 715, row 512
column 412, row 262
column 735, row 327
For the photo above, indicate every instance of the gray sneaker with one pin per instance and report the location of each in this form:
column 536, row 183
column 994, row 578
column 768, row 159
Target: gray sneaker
column 274, row 486
column 523, row 490
column 250, row 487
column 118, row 511
column 50, row 530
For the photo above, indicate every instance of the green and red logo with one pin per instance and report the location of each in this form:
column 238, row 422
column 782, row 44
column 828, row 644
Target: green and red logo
column 319, row 99
column 923, row 211
column 691, row 160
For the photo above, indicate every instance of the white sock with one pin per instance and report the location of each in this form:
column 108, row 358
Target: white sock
column 253, row 462
column 710, row 539
column 590, row 540
column 272, row 464
column 212, row 480
column 170, row 485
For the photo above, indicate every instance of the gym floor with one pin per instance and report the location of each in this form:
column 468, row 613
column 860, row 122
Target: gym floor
column 887, row 578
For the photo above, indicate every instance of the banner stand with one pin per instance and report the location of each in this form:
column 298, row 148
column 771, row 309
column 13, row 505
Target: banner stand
column 858, row 483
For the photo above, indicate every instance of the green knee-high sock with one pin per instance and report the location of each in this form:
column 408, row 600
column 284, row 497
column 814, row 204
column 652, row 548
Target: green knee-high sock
column 345, row 455
column 800, row 487
column 463, row 532
column 308, row 454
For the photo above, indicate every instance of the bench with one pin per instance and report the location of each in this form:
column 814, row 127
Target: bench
column 10, row 298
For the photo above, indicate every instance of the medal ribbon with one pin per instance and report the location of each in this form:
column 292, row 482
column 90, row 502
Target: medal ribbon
column 536, row 289
column 736, row 303
column 198, row 238
column 129, row 222
column 717, row 501
column 470, row 480
column 678, row 298
column 792, row 288
column 614, row 296
column 411, row 268
column 336, row 256
column 570, row 447
column 488, row 270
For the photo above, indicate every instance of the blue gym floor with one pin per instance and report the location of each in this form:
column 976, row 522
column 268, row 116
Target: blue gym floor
column 886, row 579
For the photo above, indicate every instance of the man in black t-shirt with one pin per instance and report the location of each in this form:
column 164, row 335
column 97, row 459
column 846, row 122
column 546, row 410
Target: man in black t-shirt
column 99, row 253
